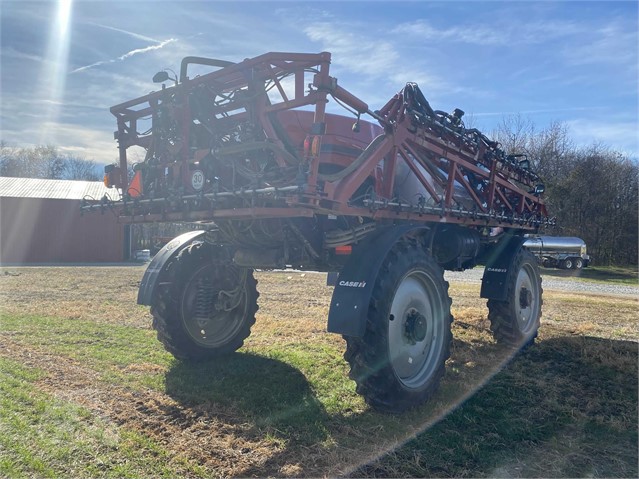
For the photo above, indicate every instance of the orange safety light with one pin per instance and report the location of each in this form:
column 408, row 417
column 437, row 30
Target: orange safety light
column 135, row 188
column 112, row 176
column 343, row 250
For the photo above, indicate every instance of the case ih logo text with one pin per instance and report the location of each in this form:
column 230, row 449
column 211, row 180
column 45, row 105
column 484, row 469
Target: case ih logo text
column 353, row 284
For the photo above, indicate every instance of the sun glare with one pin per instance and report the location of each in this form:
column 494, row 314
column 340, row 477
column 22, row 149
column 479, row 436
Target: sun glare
column 55, row 67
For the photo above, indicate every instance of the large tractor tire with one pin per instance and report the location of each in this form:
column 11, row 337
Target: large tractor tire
column 400, row 360
column 516, row 320
column 205, row 306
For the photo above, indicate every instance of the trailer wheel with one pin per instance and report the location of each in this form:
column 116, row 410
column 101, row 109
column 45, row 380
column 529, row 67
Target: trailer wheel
column 579, row 263
column 567, row 263
column 204, row 309
column 399, row 361
column 516, row 320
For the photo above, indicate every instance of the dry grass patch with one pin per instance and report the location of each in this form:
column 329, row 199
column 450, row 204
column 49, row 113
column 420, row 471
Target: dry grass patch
column 101, row 294
column 613, row 317
column 284, row 406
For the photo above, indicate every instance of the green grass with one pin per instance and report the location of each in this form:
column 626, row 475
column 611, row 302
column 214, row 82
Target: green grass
column 107, row 349
column 41, row 436
column 532, row 408
column 565, row 408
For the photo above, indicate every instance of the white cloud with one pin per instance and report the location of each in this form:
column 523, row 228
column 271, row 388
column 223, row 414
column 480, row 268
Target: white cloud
column 478, row 35
column 72, row 139
column 582, row 43
column 517, row 31
column 534, row 112
column 137, row 51
column 372, row 58
column 103, row 89
column 384, row 66
column 614, row 43
column 304, row 14
column 530, row 52
column 352, row 51
column 619, row 135
column 11, row 52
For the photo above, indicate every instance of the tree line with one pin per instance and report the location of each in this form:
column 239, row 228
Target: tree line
column 592, row 191
column 45, row 162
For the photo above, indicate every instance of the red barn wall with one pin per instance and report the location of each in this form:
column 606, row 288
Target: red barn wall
column 34, row 230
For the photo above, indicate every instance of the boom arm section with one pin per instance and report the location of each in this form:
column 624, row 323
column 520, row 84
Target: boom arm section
column 461, row 170
column 241, row 142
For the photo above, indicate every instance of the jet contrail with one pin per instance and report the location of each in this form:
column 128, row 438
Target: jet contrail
column 126, row 55
column 147, row 49
column 126, row 32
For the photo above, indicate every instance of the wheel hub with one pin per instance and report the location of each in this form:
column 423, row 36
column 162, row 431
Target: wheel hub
column 212, row 306
column 415, row 326
column 525, row 297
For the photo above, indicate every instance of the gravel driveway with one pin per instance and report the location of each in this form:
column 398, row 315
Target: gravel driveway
column 556, row 284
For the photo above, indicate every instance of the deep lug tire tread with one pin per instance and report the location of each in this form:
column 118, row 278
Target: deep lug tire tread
column 370, row 366
column 166, row 308
column 501, row 314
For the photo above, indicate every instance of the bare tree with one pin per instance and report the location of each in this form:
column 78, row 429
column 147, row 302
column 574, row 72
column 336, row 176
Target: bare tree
column 80, row 169
column 35, row 162
column 45, row 162
column 7, row 159
column 514, row 133
column 592, row 191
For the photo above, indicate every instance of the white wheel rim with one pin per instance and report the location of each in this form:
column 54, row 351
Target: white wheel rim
column 416, row 332
column 526, row 299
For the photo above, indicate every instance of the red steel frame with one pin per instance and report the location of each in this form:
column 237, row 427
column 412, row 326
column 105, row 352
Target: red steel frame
column 504, row 199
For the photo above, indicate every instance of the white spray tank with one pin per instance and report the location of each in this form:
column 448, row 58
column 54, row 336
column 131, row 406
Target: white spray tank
column 560, row 251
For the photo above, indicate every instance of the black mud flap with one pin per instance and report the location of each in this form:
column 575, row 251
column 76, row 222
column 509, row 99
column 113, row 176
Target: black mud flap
column 495, row 281
column 152, row 274
column 354, row 288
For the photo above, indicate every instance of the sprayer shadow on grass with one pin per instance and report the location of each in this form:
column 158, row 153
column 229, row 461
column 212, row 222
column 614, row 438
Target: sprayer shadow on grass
column 571, row 400
column 565, row 407
column 268, row 392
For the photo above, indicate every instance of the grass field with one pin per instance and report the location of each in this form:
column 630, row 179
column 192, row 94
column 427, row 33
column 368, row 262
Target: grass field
column 609, row 274
column 87, row 391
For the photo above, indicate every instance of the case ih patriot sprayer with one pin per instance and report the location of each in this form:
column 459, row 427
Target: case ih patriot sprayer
column 249, row 151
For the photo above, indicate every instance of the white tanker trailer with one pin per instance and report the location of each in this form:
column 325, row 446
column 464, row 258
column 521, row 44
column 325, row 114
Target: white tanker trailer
column 559, row 251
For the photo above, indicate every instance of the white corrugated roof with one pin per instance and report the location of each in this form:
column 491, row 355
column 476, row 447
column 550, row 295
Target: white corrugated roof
column 54, row 189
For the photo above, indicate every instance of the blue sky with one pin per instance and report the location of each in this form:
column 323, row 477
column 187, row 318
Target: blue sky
column 63, row 64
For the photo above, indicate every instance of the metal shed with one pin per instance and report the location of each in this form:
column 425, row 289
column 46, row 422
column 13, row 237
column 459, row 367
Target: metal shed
column 40, row 222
